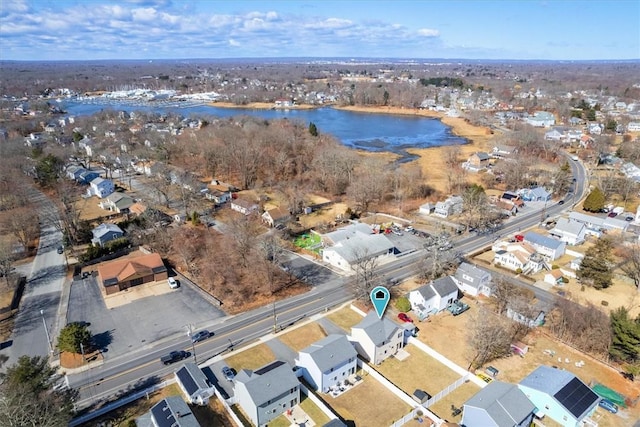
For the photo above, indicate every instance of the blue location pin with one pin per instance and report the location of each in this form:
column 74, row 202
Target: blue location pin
column 380, row 298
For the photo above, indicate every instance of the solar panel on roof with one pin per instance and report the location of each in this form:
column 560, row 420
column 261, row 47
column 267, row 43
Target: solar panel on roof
column 187, row 380
column 576, row 397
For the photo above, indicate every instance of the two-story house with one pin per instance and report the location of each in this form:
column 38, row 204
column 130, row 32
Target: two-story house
column 433, row 297
column 105, row 233
column 548, row 247
column 472, row 280
column 376, row 339
column 328, row 362
column 451, row 206
column 100, row 187
column 244, row 206
column 499, row 404
column 267, row 392
column 570, row 232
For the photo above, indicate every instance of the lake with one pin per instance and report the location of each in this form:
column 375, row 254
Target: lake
column 365, row 131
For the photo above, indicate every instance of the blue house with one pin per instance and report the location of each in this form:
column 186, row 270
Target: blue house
column 105, row 233
column 560, row 395
column 498, row 405
column 537, row 194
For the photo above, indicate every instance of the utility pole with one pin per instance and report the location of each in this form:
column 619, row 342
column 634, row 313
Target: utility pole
column 46, row 331
column 193, row 345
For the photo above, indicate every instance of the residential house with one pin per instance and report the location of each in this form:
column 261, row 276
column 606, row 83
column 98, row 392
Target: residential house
column 477, row 161
column 426, row 209
column 87, row 144
column 595, row 129
column 195, row 385
column 560, row 395
column 451, row 206
column 506, row 208
column 121, row 274
column 512, row 198
column 276, row 216
column 328, row 362
column 472, row 280
column 570, row 232
column 555, row 134
column 105, row 233
column 499, row 404
column 517, row 256
column 218, row 197
column 244, row 206
column 81, row 175
column 100, row 187
column 541, row 119
column 586, row 141
column 529, row 313
column 536, row 194
column 266, row 393
column 433, row 297
column 633, row 127
column 550, row 248
column 355, row 244
column 171, row 411
column 376, row 339
column 554, row 277
column 117, row 202
column 502, row 151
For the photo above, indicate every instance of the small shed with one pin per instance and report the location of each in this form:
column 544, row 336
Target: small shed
column 519, row 348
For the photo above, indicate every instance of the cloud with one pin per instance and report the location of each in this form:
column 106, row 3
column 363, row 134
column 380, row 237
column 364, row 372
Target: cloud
column 428, row 32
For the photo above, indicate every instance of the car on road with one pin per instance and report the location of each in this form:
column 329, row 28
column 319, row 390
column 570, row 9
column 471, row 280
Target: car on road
column 608, row 405
column 173, row 357
column 405, row 318
column 200, row 336
column 612, row 214
column 408, row 229
column 60, row 249
column 173, row 283
column 228, row 374
column 561, row 202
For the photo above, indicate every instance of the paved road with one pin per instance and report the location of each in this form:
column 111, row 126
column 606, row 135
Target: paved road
column 41, row 298
column 330, row 290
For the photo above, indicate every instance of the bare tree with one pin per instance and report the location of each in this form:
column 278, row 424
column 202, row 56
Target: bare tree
column 6, row 260
column 23, row 225
column 631, row 262
column 366, row 278
column 369, row 184
column 243, row 231
column 489, row 336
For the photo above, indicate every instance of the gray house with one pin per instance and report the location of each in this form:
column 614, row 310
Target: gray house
column 169, row 412
column 194, row 384
column 105, row 233
column 376, row 339
column 498, row 405
column 473, row 280
column 328, row 362
column 267, row 392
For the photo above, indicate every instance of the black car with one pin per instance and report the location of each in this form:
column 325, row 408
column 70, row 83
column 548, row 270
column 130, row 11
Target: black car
column 561, row 202
column 174, row 356
column 199, row 336
column 60, row 249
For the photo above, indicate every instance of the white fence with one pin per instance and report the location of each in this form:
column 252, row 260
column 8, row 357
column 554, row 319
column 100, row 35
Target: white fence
column 442, row 393
column 319, row 403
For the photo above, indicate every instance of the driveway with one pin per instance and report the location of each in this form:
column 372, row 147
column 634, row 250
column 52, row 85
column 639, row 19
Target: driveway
column 142, row 322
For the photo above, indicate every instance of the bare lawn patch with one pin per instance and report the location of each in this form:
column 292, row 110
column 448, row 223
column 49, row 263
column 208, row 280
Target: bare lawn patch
column 418, row 371
column 358, row 404
column 345, row 318
column 251, row 358
column 303, row 337
column 442, row 408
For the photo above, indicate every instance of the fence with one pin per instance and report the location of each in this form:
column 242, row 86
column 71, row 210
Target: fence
column 451, row 387
column 319, row 403
column 227, row 407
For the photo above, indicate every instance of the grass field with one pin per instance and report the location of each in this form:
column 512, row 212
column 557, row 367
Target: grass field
column 252, row 358
column 303, row 337
column 419, row 370
column 359, row 404
column 308, row 241
column 442, row 408
column 345, row 318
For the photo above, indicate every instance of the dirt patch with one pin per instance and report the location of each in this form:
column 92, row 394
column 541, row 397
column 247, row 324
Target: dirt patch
column 252, row 358
column 74, row 360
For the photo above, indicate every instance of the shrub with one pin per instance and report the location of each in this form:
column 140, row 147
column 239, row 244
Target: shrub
column 518, row 270
column 403, row 304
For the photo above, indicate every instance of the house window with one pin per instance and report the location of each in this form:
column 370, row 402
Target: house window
column 294, row 402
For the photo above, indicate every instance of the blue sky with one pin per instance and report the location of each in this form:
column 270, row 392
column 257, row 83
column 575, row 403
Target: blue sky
column 171, row 29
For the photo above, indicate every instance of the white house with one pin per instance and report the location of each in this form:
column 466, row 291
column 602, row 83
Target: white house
column 244, row 206
column 554, row 277
column 328, row 362
column 560, row 395
column 353, row 245
column 194, row 384
column 570, row 232
column 472, row 280
column 541, row 119
column 275, row 216
column 100, row 187
column 451, row 206
column 171, row 411
column 548, row 247
column 267, row 392
column 517, row 256
column 376, row 339
column 633, row 127
column 433, row 297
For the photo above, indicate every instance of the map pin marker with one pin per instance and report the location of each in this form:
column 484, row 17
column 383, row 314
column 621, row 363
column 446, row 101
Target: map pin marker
column 380, row 298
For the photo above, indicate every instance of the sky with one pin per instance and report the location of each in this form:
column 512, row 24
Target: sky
column 177, row 29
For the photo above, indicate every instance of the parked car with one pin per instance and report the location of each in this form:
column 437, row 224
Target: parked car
column 408, row 229
column 173, row 283
column 200, row 336
column 612, row 214
column 228, row 373
column 173, row 357
column 405, row 318
column 608, row 405
column 60, row 249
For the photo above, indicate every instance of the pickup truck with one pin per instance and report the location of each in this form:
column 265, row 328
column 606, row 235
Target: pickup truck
column 174, row 356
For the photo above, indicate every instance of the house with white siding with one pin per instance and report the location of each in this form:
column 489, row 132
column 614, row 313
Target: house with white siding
column 327, row 363
column 376, row 339
column 472, row 280
column 548, row 247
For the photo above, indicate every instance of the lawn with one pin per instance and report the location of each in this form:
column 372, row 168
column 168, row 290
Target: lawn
column 309, row 241
column 359, row 404
column 345, row 318
column 417, row 371
column 303, row 337
column 442, row 408
column 312, row 410
column 252, row 358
